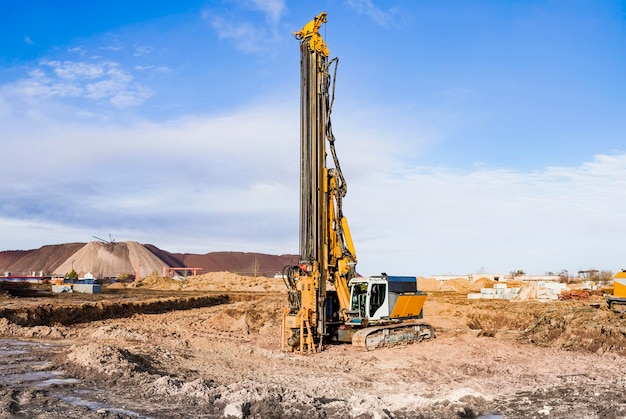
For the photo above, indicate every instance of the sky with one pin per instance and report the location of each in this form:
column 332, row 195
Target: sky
column 482, row 136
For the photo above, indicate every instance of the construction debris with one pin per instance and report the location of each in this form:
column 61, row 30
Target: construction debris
column 498, row 292
column 579, row 294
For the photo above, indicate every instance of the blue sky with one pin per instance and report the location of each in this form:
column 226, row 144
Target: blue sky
column 483, row 135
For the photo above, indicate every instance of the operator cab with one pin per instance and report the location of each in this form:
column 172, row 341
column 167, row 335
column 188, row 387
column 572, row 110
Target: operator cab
column 368, row 298
column 374, row 298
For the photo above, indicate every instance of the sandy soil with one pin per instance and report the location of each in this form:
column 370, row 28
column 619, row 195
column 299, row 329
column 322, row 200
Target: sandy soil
column 489, row 359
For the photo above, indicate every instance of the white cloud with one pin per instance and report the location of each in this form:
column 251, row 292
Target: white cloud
column 48, row 233
column 113, row 48
column 232, row 177
column 127, row 98
column 249, row 36
column 142, row 50
column 116, row 82
column 272, row 8
column 431, row 220
column 28, row 41
column 245, row 35
column 91, row 80
column 376, row 14
column 230, row 182
column 70, row 70
column 77, row 50
column 155, row 68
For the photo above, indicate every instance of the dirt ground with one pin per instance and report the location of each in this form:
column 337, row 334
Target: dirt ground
column 210, row 347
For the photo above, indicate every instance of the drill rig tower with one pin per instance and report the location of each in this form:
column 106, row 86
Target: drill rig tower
column 327, row 254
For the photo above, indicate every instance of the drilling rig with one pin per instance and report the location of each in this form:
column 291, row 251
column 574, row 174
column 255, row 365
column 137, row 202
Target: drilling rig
column 328, row 301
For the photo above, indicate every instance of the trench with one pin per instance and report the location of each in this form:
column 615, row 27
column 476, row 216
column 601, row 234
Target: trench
column 67, row 314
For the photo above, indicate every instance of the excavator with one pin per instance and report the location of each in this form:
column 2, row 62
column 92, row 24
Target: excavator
column 327, row 300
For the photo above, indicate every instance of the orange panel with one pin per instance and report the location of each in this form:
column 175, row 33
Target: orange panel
column 408, row 306
column 619, row 287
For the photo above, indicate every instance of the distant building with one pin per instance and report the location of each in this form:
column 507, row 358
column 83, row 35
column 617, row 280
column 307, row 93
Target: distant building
column 534, row 278
column 449, row 277
column 471, row 277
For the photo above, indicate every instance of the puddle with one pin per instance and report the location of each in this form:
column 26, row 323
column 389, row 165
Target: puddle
column 57, row 382
column 28, row 377
column 11, row 347
column 24, row 365
column 39, row 365
column 7, row 352
column 98, row 407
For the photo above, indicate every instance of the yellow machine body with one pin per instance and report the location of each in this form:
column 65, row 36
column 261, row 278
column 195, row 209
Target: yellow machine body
column 619, row 285
column 408, row 306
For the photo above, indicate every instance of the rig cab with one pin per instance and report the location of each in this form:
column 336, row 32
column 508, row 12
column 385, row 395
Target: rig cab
column 381, row 298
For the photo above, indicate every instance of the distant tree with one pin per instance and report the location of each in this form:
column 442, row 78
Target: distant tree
column 517, row 273
column 602, row 276
column 588, row 275
column 71, row 275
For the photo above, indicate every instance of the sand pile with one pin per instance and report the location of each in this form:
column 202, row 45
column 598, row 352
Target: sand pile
column 480, row 283
column 224, row 281
column 428, row 284
column 155, row 283
column 112, row 259
column 214, row 281
column 45, row 259
column 456, row 285
column 453, row 285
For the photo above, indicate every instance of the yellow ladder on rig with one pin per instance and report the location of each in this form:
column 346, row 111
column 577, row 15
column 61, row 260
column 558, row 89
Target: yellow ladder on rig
column 301, row 321
column 306, row 340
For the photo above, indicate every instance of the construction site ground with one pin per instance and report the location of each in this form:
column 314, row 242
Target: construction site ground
column 210, row 347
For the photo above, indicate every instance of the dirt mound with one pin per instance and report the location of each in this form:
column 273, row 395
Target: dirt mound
column 45, row 259
column 456, row 285
column 567, row 325
column 483, row 282
column 157, row 283
column 570, row 327
column 9, row 258
column 453, row 285
column 249, row 264
column 103, row 359
column 214, row 281
column 428, row 284
column 227, row 281
column 112, row 259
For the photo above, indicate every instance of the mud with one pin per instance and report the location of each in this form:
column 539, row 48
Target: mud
column 490, row 359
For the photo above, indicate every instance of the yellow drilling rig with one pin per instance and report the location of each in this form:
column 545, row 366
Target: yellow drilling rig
column 328, row 301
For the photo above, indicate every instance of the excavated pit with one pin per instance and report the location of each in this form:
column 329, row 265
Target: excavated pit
column 51, row 314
